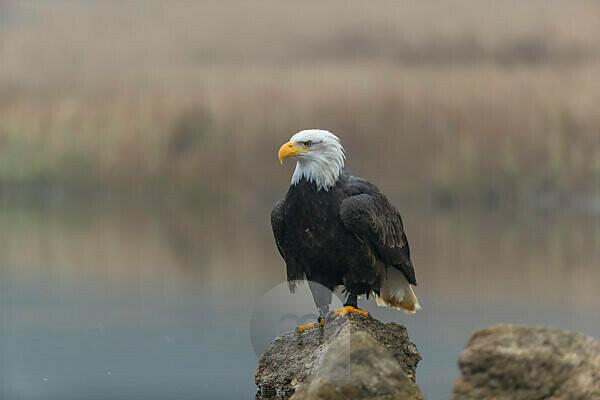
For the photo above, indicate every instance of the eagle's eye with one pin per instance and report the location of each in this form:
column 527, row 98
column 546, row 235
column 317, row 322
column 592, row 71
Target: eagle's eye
column 308, row 143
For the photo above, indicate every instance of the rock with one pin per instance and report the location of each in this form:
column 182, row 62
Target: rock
column 352, row 357
column 357, row 367
column 522, row 363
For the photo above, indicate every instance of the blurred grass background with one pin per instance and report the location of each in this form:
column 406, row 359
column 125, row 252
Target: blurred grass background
column 465, row 101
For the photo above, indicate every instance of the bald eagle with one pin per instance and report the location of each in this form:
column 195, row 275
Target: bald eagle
column 334, row 229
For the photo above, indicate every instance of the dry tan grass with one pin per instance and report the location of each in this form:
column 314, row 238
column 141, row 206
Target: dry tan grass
column 464, row 130
column 465, row 99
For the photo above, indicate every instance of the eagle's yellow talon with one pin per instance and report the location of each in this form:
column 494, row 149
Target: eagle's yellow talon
column 306, row 327
column 311, row 325
column 350, row 310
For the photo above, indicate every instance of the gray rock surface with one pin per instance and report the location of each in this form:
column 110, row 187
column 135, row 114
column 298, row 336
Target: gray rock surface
column 526, row 363
column 352, row 357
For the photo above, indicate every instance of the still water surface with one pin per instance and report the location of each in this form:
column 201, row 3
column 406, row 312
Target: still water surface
column 146, row 304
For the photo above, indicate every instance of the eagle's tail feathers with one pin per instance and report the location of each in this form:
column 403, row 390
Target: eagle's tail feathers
column 397, row 293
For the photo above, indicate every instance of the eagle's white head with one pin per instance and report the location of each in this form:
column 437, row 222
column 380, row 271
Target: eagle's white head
column 319, row 157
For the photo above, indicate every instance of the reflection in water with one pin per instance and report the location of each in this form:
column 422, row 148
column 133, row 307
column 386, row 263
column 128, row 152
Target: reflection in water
column 100, row 304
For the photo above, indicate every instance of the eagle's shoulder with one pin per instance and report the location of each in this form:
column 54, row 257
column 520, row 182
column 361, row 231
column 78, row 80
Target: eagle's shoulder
column 354, row 185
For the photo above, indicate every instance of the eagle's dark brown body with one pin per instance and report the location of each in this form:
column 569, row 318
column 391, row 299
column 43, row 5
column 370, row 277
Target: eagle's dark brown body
column 349, row 235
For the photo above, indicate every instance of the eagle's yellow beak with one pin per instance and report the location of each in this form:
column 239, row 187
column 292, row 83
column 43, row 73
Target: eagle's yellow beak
column 290, row 149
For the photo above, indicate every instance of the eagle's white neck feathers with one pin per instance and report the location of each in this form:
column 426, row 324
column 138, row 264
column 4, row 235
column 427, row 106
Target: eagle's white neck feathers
column 324, row 161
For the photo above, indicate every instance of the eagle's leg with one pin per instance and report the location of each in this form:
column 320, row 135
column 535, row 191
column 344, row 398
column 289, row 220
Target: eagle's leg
column 351, row 307
column 321, row 319
column 322, row 297
column 323, row 312
column 351, row 300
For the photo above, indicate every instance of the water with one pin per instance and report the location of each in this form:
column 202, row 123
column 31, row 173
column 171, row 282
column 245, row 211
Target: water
column 145, row 304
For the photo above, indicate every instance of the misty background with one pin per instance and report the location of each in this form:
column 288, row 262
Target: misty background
column 138, row 168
